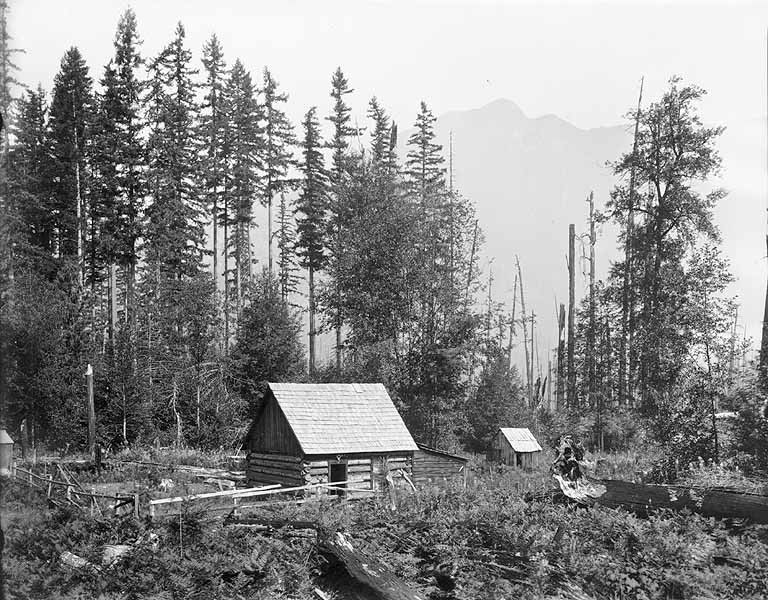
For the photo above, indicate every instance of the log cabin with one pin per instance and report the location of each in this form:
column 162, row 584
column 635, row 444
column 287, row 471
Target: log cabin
column 515, row 446
column 329, row 432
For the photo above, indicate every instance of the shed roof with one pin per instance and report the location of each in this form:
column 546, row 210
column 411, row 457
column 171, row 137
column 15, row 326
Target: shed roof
column 521, row 439
column 342, row 418
column 428, row 450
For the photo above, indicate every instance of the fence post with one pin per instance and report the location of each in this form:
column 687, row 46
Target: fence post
column 50, row 485
column 115, row 505
column 136, row 505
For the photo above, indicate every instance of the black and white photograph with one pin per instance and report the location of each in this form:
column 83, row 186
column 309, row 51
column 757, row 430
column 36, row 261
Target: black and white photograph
column 383, row 300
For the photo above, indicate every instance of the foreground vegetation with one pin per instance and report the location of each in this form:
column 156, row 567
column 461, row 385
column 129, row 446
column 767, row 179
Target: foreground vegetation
column 480, row 542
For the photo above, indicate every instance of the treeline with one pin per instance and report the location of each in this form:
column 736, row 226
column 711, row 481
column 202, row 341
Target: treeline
column 657, row 347
column 130, row 205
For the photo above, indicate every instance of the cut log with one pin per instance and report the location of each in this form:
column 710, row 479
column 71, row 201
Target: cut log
column 645, row 499
column 366, row 569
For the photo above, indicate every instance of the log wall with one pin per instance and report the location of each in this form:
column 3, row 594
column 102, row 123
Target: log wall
column 284, row 469
column 431, row 467
column 366, row 471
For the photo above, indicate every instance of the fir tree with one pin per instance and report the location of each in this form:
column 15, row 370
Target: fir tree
column 174, row 217
column 130, row 152
column 339, row 144
column 245, row 146
column 69, row 129
column 311, row 208
column 213, row 123
column 29, row 165
column 278, row 155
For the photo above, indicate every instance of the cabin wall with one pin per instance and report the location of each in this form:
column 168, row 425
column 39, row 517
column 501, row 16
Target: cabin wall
column 271, row 433
column 283, row 469
column 434, row 467
column 364, row 471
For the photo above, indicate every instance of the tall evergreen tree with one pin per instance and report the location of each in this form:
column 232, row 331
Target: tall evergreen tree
column 339, row 144
column 278, row 155
column 245, row 147
column 174, row 217
column 130, row 152
column 29, row 183
column 69, row 131
column 213, row 123
column 311, row 208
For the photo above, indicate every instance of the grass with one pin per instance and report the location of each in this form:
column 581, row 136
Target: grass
column 486, row 538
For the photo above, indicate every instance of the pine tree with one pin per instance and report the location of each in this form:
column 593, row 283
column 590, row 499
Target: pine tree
column 339, row 144
column 278, row 155
column 245, row 146
column 29, row 164
column 130, row 152
column 425, row 178
column 268, row 346
column 311, row 207
column 69, row 130
column 174, row 217
column 213, row 124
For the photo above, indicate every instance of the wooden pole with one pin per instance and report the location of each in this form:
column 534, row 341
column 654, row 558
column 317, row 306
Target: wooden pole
column 91, row 413
column 592, row 325
column 571, row 390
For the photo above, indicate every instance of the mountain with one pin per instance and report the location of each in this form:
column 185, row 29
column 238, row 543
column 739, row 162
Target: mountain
column 529, row 178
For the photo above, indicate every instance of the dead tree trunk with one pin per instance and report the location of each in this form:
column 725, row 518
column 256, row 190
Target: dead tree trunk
column 366, row 569
column 571, row 390
column 529, row 383
column 645, row 499
column 560, row 395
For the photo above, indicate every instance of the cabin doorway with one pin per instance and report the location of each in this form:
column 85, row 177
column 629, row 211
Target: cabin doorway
column 338, row 473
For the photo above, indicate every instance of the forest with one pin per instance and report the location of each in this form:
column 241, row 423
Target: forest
column 131, row 195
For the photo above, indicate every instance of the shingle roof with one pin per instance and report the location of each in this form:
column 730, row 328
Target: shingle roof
column 342, row 418
column 521, row 439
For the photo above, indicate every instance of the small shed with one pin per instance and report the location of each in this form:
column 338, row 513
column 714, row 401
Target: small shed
column 515, row 446
column 329, row 432
column 432, row 466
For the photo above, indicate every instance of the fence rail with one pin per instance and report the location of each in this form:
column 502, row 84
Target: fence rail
column 72, row 489
column 237, row 495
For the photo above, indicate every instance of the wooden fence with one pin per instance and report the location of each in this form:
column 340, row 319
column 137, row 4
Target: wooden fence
column 232, row 500
column 67, row 491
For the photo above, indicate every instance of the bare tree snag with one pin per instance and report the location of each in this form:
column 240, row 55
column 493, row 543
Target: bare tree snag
column 571, row 371
column 528, row 372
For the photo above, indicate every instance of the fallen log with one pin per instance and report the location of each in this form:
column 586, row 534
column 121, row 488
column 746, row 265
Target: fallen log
column 366, row 569
column 644, row 499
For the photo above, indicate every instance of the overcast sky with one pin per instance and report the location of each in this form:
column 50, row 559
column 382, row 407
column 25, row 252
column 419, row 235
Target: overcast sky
column 579, row 60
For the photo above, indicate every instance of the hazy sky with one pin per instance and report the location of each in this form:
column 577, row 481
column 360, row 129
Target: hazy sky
column 579, row 60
